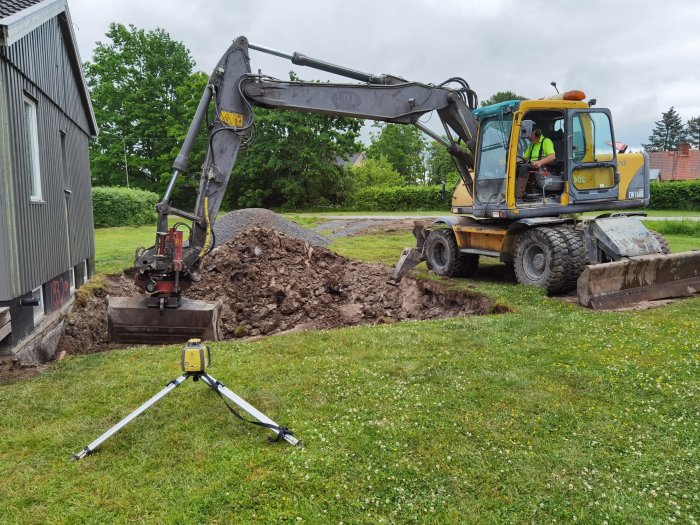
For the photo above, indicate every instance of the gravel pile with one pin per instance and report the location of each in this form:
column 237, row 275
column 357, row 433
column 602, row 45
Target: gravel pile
column 229, row 226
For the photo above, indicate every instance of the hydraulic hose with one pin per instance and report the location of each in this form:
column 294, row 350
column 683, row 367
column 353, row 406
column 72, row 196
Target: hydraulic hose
column 207, row 239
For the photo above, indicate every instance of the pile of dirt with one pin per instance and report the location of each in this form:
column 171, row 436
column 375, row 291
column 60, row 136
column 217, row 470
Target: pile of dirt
column 271, row 283
column 85, row 326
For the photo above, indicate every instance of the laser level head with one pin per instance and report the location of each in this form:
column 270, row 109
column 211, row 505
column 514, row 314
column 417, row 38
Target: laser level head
column 195, row 356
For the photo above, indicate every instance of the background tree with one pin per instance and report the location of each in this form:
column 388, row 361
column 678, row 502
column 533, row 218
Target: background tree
column 501, row 96
column 439, row 164
column 144, row 96
column 293, row 162
column 403, row 146
column 693, row 132
column 376, row 173
column 667, row 134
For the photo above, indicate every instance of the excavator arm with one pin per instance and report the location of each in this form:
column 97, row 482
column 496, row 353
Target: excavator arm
column 166, row 269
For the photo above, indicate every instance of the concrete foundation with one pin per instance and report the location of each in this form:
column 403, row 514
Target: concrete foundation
column 40, row 347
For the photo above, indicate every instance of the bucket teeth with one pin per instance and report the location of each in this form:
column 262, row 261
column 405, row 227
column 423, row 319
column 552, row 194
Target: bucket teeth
column 130, row 320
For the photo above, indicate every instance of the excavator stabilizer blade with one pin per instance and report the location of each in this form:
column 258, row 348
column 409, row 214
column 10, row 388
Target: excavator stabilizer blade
column 643, row 278
column 130, row 320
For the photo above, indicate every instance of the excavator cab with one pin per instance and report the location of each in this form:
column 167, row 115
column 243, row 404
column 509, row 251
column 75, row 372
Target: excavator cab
column 584, row 176
column 612, row 260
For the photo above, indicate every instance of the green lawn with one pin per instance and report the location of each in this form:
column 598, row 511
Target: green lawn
column 551, row 413
column 115, row 248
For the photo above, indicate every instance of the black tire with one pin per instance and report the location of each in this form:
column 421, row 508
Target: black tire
column 540, row 259
column 443, row 255
column 665, row 248
column 576, row 256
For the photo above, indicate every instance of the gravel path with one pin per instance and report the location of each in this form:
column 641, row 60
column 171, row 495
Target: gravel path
column 344, row 227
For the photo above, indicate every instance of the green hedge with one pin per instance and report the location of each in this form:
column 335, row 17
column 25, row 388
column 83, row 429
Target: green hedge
column 682, row 195
column 401, row 198
column 116, row 206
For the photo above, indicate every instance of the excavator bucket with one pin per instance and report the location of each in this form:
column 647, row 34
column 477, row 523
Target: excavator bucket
column 410, row 257
column 131, row 320
column 637, row 279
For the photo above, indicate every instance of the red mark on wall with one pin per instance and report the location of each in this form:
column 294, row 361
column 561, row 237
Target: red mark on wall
column 57, row 292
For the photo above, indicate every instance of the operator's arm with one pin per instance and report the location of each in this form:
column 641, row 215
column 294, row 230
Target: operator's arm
column 550, row 156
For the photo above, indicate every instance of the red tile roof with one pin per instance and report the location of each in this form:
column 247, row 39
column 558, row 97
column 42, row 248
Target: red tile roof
column 676, row 165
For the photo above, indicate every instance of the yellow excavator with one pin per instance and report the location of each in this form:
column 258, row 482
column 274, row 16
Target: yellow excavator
column 503, row 206
column 612, row 260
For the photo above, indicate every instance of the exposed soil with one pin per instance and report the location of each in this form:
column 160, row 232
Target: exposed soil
column 271, row 283
column 85, row 326
column 12, row 370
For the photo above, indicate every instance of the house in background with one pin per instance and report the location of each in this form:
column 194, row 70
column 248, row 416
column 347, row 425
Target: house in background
column 683, row 164
column 47, row 241
column 356, row 160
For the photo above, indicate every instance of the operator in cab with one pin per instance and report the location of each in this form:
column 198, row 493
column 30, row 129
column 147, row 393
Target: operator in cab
column 541, row 149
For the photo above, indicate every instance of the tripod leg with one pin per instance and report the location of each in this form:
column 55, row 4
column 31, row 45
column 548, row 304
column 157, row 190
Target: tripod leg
column 247, row 407
column 128, row 419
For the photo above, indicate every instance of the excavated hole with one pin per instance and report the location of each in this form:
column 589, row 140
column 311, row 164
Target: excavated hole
column 271, row 283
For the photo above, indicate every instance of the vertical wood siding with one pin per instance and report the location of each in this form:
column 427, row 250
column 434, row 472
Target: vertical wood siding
column 47, row 245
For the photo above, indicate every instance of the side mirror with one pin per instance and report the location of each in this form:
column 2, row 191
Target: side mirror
column 443, row 192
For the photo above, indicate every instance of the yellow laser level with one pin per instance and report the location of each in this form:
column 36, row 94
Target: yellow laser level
column 195, row 356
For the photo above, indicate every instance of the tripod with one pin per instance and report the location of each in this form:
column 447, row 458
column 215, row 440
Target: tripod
column 219, row 388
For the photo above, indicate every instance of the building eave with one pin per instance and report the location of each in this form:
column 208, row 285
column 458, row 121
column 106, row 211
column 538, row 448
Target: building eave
column 20, row 24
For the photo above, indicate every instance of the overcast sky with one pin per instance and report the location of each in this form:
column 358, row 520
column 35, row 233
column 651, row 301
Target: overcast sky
column 636, row 57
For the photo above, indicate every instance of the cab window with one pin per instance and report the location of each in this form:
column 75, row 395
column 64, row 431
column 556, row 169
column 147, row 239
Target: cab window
column 591, row 150
column 592, row 138
column 493, row 150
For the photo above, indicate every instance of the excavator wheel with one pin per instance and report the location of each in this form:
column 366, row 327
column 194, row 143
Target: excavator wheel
column 444, row 258
column 541, row 259
column 576, row 256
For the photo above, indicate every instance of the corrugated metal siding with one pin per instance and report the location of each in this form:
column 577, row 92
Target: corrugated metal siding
column 40, row 68
column 43, row 59
column 7, row 275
